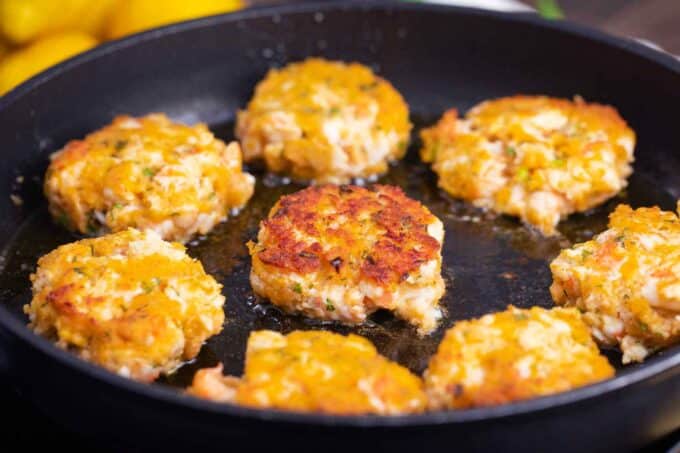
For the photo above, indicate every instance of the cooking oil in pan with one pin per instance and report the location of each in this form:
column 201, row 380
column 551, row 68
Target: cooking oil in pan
column 489, row 261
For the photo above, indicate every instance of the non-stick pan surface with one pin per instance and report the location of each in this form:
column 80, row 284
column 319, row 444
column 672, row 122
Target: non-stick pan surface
column 438, row 58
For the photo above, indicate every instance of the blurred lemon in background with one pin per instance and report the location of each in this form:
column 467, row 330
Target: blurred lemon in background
column 4, row 48
column 43, row 53
column 131, row 16
column 22, row 21
column 36, row 34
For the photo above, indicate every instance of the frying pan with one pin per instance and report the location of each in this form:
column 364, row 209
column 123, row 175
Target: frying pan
column 437, row 57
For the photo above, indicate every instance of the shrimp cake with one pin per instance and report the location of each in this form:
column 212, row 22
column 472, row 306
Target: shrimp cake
column 325, row 122
column 315, row 371
column 626, row 281
column 533, row 157
column 128, row 301
column 513, row 355
column 147, row 173
column 342, row 252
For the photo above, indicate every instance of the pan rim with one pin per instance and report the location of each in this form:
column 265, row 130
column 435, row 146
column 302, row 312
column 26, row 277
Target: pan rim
column 631, row 45
column 170, row 396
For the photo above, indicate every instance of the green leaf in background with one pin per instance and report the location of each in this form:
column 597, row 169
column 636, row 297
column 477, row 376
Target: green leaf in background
column 549, row 9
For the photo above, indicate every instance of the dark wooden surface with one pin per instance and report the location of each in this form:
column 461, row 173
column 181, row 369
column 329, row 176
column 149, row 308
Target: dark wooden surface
column 654, row 20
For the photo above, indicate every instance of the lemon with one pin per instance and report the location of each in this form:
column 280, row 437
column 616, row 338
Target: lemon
column 131, row 16
column 45, row 52
column 22, row 21
column 4, row 48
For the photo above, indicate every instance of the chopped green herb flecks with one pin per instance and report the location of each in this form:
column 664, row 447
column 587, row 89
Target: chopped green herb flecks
column 559, row 163
column 79, row 270
column 434, row 150
column 64, row 220
column 549, row 9
column 368, row 86
column 522, row 174
column 150, row 285
column 148, row 172
column 520, row 316
column 510, row 151
column 114, row 208
column 329, row 305
column 297, row 288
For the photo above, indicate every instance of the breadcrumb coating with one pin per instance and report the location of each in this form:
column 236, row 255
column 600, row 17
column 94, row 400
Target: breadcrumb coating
column 147, row 173
column 128, row 301
column 626, row 281
column 325, row 122
column 513, row 355
column 342, row 252
column 315, row 371
column 533, row 157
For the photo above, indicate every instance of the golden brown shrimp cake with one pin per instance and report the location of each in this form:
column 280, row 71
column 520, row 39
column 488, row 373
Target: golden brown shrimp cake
column 324, row 121
column 315, row 371
column 342, row 252
column 626, row 281
column 533, row 157
column 147, row 173
column 128, row 301
column 513, row 355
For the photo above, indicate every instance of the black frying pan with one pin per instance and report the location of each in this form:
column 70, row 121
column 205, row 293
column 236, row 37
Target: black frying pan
column 437, row 57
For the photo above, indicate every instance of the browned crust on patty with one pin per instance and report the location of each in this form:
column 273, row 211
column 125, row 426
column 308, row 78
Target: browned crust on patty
column 403, row 243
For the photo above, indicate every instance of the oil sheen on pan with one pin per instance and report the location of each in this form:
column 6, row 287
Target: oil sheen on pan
column 496, row 261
